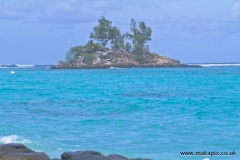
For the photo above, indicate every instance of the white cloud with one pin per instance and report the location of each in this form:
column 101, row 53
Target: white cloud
column 198, row 27
column 73, row 12
column 77, row 12
column 236, row 7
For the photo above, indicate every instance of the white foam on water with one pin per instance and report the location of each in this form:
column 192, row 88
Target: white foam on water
column 217, row 64
column 25, row 65
column 115, row 68
column 13, row 139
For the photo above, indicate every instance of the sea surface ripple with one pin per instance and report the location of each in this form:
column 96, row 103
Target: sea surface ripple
column 148, row 113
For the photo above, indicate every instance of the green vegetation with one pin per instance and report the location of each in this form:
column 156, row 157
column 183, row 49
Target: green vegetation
column 105, row 32
column 133, row 42
column 93, row 47
column 88, row 58
column 106, row 56
column 73, row 53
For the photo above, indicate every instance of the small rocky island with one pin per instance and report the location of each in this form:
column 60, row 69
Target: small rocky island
column 127, row 50
column 119, row 58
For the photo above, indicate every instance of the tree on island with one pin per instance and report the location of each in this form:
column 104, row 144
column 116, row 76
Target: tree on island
column 92, row 47
column 140, row 35
column 127, row 46
column 72, row 54
column 105, row 32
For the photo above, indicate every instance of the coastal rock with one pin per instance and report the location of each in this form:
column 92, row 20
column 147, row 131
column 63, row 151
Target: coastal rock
column 80, row 61
column 61, row 64
column 53, row 67
column 13, row 148
column 83, row 155
column 138, row 159
column 70, row 65
column 26, row 156
column 116, row 157
column 15, row 151
column 98, row 59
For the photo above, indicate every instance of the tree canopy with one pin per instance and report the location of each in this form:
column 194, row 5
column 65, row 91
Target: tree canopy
column 92, row 47
column 72, row 53
column 105, row 32
column 133, row 42
column 140, row 35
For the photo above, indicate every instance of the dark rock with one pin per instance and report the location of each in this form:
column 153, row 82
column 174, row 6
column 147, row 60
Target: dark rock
column 83, row 155
column 26, row 156
column 15, row 151
column 70, row 65
column 9, row 65
column 61, row 64
column 13, row 148
column 106, row 49
column 116, row 157
column 138, row 159
column 53, row 67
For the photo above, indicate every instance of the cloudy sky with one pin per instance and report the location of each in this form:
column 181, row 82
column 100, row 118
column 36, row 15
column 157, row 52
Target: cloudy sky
column 192, row 31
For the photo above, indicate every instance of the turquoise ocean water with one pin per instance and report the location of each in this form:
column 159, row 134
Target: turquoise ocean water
column 148, row 113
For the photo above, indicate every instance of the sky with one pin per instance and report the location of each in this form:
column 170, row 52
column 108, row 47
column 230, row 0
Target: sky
column 192, row 31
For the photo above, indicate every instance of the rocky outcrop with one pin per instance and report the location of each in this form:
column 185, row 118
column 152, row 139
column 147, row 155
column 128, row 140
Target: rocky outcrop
column 61, row 64
column 26, row 156
column 13, row 148
column 122, row 59
column 116, row 157
column 93, row 155
column 80, row 61
column 83, row 155
column 15, row 151
column 138, row 159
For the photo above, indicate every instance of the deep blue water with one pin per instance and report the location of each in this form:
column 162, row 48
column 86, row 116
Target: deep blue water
column 148, row 113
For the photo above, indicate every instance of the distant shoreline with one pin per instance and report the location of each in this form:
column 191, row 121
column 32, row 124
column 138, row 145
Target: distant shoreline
column 24, row 66
column 130, row 66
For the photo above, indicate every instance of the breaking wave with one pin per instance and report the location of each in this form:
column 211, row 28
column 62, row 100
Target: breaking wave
column 216, row 64
column 13, row 139
column 24, row 66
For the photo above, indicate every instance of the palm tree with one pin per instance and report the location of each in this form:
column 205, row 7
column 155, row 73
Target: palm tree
column 90, row 46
